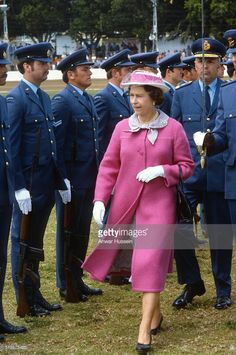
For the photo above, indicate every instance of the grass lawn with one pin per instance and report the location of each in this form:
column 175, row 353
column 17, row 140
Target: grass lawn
column 108, row 324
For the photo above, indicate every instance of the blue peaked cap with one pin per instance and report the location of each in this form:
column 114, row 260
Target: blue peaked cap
column 75, row 59
column 147, row 59
column 118, row 60
column 41, row 52
column 210, row 47
column 230, row 36
column 171, row 61
column 189, row 61
column 3, row 54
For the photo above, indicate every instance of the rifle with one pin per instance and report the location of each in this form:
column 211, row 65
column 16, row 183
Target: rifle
column 72, row 294
column 23, row 306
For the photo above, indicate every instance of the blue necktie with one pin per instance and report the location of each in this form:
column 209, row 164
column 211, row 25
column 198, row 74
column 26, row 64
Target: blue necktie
column 207, row 100
column 86, row 96
column 127, row 101
column 40, row 96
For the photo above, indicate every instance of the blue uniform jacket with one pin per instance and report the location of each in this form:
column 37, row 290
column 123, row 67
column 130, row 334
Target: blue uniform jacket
column 32, row 132
column 76, row 130
column 187, row 109
column 6, row 172
column 168, row 98
column 225, row 135
column 111, row 108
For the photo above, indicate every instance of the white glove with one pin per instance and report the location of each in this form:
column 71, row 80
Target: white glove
column 198, row 138
column 150, row 173
column 24, row 200
column 66, row 194
column 98, row 212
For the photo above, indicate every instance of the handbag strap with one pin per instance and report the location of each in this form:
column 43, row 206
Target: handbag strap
column 180, row 176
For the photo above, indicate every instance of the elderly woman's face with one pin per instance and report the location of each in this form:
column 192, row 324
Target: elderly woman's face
column 140, row 100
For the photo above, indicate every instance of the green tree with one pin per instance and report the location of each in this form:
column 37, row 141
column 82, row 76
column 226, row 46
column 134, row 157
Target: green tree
column 110, row 18
column 38, row 19
column 90, row 20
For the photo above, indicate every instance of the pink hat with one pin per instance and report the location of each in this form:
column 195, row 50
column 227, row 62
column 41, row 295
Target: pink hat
column 143, row 77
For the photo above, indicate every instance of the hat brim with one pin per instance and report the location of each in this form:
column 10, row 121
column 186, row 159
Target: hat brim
column 5, row 62
column 163, row 87
column 82, row 63
column 125, row 64
column 180, row 65
column 38, row 59
column 150, row 65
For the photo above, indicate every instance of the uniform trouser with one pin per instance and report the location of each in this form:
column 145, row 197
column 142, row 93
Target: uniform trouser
column 82, row 214
column 232, row 209
column 5, row 221
column 41, row 209
column 220, row 239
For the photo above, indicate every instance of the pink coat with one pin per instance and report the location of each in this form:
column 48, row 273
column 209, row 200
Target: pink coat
column 152, row 204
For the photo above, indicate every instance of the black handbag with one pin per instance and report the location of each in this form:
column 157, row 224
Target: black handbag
column 183, row 207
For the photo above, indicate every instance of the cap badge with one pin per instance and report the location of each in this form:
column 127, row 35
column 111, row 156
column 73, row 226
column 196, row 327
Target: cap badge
column 206, row 45
column 231, row 42
column 4, row 54
column 49, row 53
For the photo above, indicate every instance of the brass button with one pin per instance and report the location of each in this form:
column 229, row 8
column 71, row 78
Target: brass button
column 52, row 141
column 208, row 119
column 7, row 163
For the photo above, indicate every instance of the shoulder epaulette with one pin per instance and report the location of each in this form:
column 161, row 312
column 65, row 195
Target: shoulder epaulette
column 228, row 83
column 183, row 85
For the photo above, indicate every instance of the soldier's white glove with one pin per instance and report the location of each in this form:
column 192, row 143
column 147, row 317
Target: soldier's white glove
column 98, row 212
column 66, row 194
column 24, row 200
column 150, row 173
column 198, row 138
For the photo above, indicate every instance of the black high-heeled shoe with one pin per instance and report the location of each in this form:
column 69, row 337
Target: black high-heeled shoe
column 156, row 330
column 143, row 348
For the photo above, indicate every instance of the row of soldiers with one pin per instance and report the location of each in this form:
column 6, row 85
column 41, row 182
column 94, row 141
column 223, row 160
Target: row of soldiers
column 51, row 149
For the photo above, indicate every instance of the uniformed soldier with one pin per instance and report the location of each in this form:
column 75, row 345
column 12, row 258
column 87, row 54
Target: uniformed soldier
column 36, row 173
column 230, row 37
column 189, row 71
column 171, row 69
column 146, row 61
column 230, row 69
column 76, row 129
column 203, row 186
column 6, row 193
column 112, row 103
